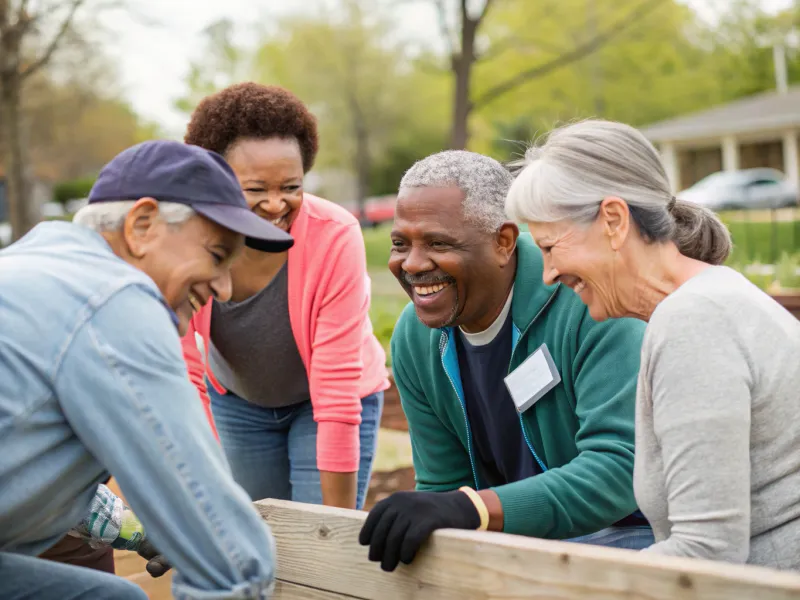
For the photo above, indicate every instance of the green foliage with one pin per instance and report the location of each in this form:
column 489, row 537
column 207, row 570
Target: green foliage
column 224, row 63
column 72, row 190
column 378, row 246
column 389, row 169
column 347, row 61
column 670, row 63
column 650, row 72
column 342, row 64
column 511, row 138
column 384, row 312
column 786, row 271
column 781, row 277
column 388, row 298
column 763, row 242
column 376, row 111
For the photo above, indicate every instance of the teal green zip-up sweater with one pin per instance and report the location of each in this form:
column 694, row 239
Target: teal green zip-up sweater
column 581, row 432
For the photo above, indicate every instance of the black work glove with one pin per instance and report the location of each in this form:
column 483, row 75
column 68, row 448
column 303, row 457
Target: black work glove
column 157, row 564
column 398, row 525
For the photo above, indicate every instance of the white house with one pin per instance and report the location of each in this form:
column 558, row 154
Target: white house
column 757, row 131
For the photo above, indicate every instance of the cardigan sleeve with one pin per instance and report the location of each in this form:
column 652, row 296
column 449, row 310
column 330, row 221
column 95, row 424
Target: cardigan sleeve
column 336, row 364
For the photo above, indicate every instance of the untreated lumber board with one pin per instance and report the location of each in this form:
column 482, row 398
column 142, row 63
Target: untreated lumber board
column 318, row 549
column 292, row 591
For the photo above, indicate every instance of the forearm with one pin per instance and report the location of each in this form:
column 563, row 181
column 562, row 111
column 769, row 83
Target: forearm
column 339, row 489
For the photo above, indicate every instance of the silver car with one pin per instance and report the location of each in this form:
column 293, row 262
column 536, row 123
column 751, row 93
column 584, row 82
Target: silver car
column 760, row 188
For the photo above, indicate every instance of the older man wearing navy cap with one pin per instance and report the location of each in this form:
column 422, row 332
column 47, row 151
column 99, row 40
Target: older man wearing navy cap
column 93, row 383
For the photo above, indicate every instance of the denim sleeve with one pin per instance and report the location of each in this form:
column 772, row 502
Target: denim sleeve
column 124, row 388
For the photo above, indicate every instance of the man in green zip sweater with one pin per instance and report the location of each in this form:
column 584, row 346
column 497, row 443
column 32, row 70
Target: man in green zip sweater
column 520, row 407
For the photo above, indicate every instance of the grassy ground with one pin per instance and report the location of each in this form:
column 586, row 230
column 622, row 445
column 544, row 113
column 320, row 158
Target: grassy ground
column 388, row 298
column 394, row 450
column 378, row 245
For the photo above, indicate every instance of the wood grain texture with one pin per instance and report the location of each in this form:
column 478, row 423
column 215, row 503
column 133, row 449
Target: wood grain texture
column 318, row 549
column 292, row 591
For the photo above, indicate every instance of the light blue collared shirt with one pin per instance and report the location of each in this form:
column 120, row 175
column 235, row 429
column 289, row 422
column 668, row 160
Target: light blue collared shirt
column 92, row 382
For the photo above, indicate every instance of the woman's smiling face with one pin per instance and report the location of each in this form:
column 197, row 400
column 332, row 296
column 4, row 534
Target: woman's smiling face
column 581, row 258
column 270, row 172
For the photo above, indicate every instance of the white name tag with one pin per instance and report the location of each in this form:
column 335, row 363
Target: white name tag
column 536, row 376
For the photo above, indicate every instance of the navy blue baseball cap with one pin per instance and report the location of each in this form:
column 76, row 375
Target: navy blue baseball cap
column 176, row 172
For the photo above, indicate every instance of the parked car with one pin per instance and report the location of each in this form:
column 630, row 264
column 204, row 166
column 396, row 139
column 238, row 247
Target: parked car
column 377, row 210
column 745, row 189
column 52, row 210
column 75, row 205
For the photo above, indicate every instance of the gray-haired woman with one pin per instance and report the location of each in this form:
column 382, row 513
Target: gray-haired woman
column 717, row 469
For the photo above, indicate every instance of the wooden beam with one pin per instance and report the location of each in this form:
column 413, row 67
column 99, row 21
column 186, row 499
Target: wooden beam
column 318, row 552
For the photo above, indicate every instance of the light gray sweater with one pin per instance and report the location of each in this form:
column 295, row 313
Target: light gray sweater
column 717, row 470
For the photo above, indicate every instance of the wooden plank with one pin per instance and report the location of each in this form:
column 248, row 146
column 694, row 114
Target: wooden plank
column 318, row 548
column 292, row 591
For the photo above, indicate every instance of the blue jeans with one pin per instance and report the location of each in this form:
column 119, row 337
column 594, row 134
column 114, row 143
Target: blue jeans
column 273, row 451
column 28, row 577
column 632, row 538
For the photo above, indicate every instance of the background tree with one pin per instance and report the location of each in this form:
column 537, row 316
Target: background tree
column 461, row 23
column 346, row 65
column 636, row 61
column 24, row 49
column 223, row 63
column 61, row 113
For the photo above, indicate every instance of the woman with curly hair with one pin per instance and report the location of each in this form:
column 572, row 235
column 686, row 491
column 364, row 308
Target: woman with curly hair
column 296, row 375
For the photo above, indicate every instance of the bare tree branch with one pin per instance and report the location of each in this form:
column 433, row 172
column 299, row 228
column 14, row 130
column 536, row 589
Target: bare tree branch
column 51, row 47
column 573, row 55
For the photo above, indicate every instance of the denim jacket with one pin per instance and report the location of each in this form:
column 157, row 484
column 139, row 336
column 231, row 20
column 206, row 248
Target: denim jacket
column 92, row 383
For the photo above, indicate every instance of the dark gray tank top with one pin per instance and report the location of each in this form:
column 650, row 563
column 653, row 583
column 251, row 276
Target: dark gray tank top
column 253, row 352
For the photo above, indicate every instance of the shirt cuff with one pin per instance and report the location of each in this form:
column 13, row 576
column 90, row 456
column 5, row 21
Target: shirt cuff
column 338, row 447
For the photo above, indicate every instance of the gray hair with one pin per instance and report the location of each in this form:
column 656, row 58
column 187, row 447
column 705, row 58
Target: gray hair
column 569, row 175
column 110, row 216
column 484, row 181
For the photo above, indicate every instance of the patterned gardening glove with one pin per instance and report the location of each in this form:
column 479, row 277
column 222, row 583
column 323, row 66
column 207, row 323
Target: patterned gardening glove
column 111, row 523
column 398, row 525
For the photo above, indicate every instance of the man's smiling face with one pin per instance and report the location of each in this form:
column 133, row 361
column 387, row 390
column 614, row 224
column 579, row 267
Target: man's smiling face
column 447, row 265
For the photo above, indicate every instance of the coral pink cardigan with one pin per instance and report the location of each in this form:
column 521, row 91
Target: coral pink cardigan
column 329, row 296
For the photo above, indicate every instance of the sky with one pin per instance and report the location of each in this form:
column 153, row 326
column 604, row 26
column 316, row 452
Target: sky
column 154, row 57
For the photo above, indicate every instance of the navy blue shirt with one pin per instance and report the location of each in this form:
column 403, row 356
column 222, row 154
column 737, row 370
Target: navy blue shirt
column 502, row 454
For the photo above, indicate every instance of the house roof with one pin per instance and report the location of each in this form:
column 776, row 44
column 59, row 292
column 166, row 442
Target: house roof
column 753, row 114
